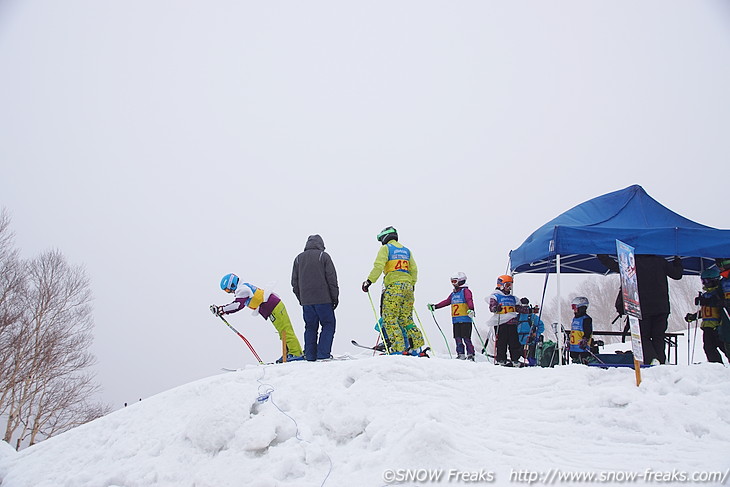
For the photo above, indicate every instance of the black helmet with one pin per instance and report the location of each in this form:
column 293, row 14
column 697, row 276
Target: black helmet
column 387, row 234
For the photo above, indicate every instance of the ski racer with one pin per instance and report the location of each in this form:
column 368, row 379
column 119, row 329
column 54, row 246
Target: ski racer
column 396, row 263
column 503, row 305
column 711, row 303
column 264, row 303
column 581, row 331
column 462, row 315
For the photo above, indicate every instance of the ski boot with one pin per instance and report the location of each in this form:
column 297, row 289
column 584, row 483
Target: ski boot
column 461, row 356
column 470, row 357
column 290, row 358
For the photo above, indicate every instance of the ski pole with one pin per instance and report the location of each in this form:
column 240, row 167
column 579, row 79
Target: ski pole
column 442, row 333
column 423, row 331
column 688, row 347
column 250, row 347
column 694, row 342
column 380, row 326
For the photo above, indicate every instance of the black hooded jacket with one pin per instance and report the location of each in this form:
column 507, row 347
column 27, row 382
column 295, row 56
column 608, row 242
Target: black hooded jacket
column 651, row 276
column 313, row 277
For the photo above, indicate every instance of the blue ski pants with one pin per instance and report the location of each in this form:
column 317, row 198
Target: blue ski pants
column 318, row 345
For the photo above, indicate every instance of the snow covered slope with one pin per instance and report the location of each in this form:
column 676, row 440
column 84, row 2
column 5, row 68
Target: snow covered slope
column 366, row 422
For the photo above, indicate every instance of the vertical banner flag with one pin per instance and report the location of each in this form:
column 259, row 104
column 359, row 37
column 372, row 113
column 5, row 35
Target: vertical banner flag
column 632, row 307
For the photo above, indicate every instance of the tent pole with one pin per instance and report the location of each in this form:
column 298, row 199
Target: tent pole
column 560, row 311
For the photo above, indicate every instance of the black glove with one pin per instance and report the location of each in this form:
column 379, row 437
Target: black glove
column 690, row 317
column 216, row 310
column 583, row 343
column 365, row 285
column 334, row 304
column 698, row 299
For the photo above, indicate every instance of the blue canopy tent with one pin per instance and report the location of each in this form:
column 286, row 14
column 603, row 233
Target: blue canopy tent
column 572, row 239
column 570, row 242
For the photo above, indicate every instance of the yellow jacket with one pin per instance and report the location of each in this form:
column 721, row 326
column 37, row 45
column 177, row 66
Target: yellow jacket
column 393, row 276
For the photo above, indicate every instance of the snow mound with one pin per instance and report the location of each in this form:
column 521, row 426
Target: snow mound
column 348, row 422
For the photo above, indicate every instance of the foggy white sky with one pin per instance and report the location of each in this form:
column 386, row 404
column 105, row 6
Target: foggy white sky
column 164, row 144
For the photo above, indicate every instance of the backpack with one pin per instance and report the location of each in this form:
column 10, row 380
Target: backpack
column 546, row 354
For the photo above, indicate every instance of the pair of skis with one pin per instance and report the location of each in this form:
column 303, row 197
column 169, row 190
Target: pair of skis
column 378, row 349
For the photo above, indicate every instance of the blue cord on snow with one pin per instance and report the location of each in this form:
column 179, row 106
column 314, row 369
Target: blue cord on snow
column 265, row 394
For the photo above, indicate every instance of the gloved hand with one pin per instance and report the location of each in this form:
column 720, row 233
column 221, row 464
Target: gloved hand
column 690, row 317
column 499, row 309
column 583, row 343
column 334, row 304
column 471, row 314
column 216, row 310
column 365, row 285
column 698, row 299
column 431, row 307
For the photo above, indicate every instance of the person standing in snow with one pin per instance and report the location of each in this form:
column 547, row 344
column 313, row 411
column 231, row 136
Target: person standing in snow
column 264, row 303
column 396, row 263
column 724, row 266
column 314, row 282
column 711, row 303
column 581, row 331
column 462, row 315
column 651, row 276
column 529, row 329
column 503, row 322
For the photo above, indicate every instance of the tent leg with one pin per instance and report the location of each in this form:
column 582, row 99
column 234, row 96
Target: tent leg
column 560, row 311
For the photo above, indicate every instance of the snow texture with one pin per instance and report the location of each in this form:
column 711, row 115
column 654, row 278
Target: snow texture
column 345, row 423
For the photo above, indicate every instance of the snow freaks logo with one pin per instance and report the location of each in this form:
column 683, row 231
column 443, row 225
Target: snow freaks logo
column 434, row 475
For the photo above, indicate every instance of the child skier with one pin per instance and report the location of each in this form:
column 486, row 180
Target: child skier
column 529, row 329
column 462, row 315
column 504, row 322
column 400, row 273
column 264, row 303
column 581, row 330
column 711, row 303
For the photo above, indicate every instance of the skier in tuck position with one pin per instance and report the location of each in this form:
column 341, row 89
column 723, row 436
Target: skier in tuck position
column 400, row 272
column 264, row 303
column 462, row 315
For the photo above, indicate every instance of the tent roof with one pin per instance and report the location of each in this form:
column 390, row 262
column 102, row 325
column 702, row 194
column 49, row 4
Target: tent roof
column 629, row 215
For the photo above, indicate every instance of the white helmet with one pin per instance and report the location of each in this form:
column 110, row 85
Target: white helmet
column 458, row 279
column 579, row 301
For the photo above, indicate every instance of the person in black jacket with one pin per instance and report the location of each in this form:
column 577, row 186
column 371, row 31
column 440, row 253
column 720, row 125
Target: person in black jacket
column 651, row 275
column 314, row 282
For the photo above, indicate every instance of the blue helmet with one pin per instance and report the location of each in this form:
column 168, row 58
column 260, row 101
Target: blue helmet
column 229, row 283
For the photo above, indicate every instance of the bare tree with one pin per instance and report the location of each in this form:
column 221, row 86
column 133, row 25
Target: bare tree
column 46, row 384
column 11, row 290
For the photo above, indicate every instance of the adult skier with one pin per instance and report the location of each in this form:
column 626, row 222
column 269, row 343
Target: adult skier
column 314, row 282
